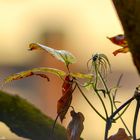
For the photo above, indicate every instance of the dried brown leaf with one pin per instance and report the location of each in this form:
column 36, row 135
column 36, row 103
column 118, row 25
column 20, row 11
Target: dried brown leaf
column 64, row 102
column 120, row 135
column 75, row 126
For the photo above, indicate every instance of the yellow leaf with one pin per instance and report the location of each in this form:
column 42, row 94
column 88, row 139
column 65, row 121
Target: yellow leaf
column 122, row 50
column 34, row 46
column 82, row 75
column 34, row 71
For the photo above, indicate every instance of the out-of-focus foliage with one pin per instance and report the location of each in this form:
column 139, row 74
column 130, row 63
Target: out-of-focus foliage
column 121, row 41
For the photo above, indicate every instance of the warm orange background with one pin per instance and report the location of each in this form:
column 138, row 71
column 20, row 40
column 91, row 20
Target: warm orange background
column 80, row 26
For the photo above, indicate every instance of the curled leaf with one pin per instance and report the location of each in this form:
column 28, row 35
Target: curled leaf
column 64, row 102
column 34, row 46
column 34, row 71
column 120, row 135
column 121, row 41
column 122, row 50
column 75, row 126
column 61, row 55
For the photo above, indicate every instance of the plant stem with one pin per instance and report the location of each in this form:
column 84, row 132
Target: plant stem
column 123, row 122
column 135, row 119
column 103, row 81
column 96, row 79
column 120, row 115
column 117, row 86
column 90, row 103
column 67, row 66
column 53, row 127
column 96, row 91
column 110, row 119
column 102, row 102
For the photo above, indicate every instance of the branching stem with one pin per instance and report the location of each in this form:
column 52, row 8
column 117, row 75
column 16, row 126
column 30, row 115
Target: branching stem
column 108, row 93
column 110, row 119
column 90, row 103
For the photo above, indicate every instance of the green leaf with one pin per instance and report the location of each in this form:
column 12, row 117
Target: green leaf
column 57, row 72
column 32, row 72
column 62, row 55
column 88, row 85
column 81, row 75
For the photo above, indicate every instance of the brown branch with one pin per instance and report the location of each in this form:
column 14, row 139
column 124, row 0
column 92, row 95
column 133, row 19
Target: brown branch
column 129, row 14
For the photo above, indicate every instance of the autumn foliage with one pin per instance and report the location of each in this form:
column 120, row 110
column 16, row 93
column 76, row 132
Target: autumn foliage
column 98, row 68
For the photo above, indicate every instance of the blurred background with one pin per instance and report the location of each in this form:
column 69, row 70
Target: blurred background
column 79, row 26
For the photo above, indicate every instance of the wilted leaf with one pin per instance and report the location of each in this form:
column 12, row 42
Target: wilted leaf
column 32, row 72
column 120, row 135
column 75, row 126
column 67, row 85
column 122, row 50
column 121, row 41
column 81, row 75
column 64, row 102
column 62, row 55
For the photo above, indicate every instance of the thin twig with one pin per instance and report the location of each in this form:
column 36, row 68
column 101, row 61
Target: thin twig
column 103, row 81
column 110, row 119
column 102, row 102
column 135, row 120
column 90, row 103
column 120, row 115
column 96, row 91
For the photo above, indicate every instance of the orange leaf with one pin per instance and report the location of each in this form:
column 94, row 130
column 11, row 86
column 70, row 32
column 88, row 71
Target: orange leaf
column 121, row 41
column 64, row 102
column 75, row 126
column 122, row 50
column 120, row 135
